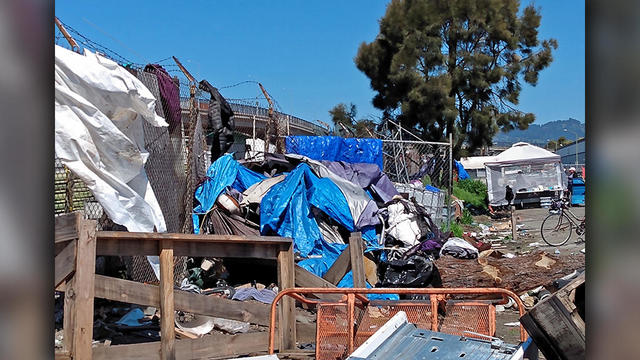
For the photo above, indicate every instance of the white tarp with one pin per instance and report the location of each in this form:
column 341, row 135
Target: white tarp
column 99, row 112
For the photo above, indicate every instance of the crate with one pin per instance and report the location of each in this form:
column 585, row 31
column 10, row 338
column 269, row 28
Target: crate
column 431, row 200
column 556, row 323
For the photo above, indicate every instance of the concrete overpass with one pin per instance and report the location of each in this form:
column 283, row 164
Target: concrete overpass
column 245, row 115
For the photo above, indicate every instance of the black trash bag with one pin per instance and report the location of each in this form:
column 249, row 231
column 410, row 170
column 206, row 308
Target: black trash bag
column 416, row 271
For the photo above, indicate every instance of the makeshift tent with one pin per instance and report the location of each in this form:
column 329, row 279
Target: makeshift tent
column 531, row 172
column 223, row 173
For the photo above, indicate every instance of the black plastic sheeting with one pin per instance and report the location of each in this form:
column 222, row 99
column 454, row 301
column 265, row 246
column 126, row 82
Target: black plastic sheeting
column 415, row 271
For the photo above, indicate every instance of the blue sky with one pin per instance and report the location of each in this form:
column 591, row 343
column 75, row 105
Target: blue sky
column 302, row 51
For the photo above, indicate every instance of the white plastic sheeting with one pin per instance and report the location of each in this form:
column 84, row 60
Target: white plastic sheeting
column 99, row 113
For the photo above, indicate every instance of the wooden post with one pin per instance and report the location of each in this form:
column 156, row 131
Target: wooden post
column 350, row 322
column 79, row 293
column 286, row 280
column 514, row 229
column 167, row 319
column 357, row 260
column 339, row 268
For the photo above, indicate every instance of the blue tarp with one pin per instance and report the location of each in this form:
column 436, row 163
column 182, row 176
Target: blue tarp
column 330, row 253
column 462, row 173
column 223, row 173
column 333, row 148
column 286, row 209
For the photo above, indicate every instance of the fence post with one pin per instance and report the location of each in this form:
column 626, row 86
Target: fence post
column 167, row 317
column 450, row 191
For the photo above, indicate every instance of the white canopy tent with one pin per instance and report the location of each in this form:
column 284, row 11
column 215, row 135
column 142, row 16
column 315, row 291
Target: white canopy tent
column 531, row 171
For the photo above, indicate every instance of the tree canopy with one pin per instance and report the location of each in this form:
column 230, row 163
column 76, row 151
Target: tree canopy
column 455, row 66
column 344, row 120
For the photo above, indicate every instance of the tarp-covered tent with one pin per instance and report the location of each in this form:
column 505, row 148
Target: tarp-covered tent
column 531, row 172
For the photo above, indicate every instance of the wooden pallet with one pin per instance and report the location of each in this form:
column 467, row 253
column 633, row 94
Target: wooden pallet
column 557, row 325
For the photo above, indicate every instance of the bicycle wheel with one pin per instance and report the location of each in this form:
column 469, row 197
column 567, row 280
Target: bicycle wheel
column 556, row 229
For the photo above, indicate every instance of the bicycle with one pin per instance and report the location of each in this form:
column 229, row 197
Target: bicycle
column 557, row 227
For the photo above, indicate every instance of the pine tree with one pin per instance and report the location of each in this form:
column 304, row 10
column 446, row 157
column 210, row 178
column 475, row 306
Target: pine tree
column 455, row 66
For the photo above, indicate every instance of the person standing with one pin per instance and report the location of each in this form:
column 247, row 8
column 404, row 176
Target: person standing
column 571, row 174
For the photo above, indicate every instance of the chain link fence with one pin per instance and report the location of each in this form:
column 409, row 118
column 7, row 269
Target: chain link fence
column 430, row 163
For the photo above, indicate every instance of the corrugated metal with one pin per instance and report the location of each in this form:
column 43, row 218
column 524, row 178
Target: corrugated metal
column 408, row 342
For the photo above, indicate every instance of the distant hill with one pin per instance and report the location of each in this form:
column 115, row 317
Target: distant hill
column 540, row 134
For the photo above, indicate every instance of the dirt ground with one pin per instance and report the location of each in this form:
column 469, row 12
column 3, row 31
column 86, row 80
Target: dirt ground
column 529, row 222
column 529, row 232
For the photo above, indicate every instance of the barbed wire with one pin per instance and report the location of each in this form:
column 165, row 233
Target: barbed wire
column 238, row 84
column 173, row 69
column 88, row 43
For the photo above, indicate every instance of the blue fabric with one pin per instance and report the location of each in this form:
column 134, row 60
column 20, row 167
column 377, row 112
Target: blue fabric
column 330, row 253
column 333, row 148
column 132, row 318
column 224, row 172
column 347, row 282
column 432, row 189
column 286, row 209
column 462, row 173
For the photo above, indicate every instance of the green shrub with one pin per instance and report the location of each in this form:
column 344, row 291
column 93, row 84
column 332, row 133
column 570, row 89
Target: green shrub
column 456, row 229
column 466, row 218
column 471, row 191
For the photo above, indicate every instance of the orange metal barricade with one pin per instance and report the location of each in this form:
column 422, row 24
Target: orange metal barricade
column 344, row 325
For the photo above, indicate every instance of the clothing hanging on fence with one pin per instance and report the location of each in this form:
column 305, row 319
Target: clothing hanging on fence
column 221, row 119
column 99, row 112
column 169, row 95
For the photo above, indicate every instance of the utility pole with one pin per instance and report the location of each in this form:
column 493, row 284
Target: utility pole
column 575, row 145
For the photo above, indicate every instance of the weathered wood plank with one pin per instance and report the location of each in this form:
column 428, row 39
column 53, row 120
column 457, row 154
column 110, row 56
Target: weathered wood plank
column 286, row 280
column 179, row 237
column 116, row 247
column 304, row 278
column 229, row 249
column 66, row 226
column 357, row 261
column 131, row 247
column 206, row 347
column 83, row 289
column 62, row 355
column 339, row 268
column 167, row 317
column 65, row 263
column 149, row 295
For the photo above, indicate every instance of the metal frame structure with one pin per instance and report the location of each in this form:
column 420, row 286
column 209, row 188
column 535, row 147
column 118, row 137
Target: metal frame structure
column 350, row 295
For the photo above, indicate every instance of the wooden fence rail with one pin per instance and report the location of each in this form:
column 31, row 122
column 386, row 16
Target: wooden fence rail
column 77, row 243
